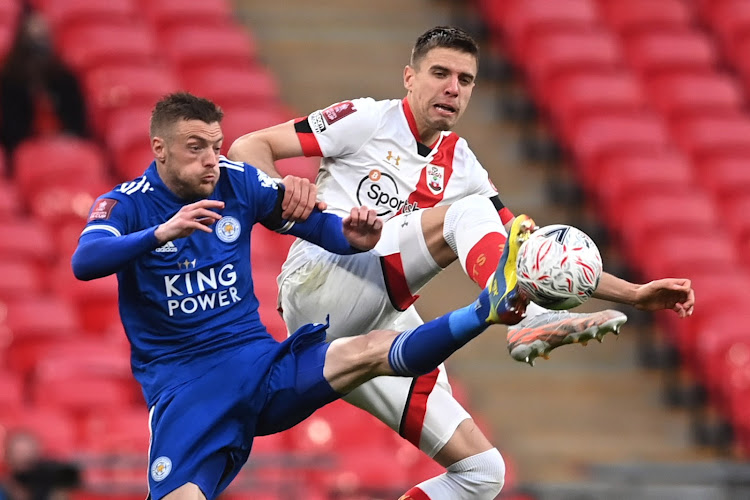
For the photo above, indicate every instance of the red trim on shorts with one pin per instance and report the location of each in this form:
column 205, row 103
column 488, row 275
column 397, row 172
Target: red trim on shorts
column 310, row 146
column 505, row 215
column 416, row 407
column 395, row 282
column 414, row 494
column 482, row 259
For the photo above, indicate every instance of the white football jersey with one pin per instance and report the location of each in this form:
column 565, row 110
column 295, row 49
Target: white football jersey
column 372, row 156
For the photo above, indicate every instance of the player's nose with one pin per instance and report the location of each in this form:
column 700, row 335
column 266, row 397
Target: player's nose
column 451, row 87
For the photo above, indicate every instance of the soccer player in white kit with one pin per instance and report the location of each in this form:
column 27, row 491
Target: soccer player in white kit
column 400, row 158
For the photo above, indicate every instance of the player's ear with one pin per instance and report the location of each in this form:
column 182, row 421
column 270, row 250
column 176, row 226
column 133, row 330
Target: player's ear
column 158, row 147
column 408, row 76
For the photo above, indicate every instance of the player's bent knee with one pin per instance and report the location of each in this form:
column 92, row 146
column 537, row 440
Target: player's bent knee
column 188, row 491
column 482, row 475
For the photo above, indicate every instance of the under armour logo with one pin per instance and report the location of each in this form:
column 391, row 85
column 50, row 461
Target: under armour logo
column 391, row 159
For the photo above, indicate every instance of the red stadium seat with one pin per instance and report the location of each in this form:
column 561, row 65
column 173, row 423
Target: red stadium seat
column 725, row 176
column 103, row 44
column 231, row 86
column 115, row 87
column 12, row 393
column 55, row 429
column 168, row 13
column 96, row 301
column 597, row 138
column 122, row 432
column 682, row 254
column 131, row 162
column 128, row 128
column 10, row 199
column 191, row 46
column 35, row 323
column 24, row 238
column 240, row 121
column 576, row 95
column 704, row 136
column 681, row 95
column 677, row 213
column 57, row 161
column 612, row 180
column 657, row 52
column 553, row 53
column 19, row 279
column 522, row 20
column 637, row 15
column 82, row 388
column 730, row 19
column 9, row 17
column 736, row 217
column 66, row 15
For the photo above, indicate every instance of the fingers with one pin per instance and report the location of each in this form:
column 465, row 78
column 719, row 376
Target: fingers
column 362, row 217
column 299, row 198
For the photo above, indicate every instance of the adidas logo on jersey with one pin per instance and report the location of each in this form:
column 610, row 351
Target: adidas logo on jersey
column 167, row 247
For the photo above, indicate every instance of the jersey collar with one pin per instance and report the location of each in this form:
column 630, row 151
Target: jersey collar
column 422, row 148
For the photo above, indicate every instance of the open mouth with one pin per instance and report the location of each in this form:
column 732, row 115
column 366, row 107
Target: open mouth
column 445, row 108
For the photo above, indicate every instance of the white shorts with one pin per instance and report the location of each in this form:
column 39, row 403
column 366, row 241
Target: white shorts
column 369, row 291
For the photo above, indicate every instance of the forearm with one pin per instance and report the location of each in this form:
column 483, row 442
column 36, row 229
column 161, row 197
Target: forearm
column 99, row 254
column 325, row 230
column 614, row 289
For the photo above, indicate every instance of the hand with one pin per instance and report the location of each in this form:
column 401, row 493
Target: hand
column 362, row 228
column 194, row 217
column 668, row 293
column 299, row 198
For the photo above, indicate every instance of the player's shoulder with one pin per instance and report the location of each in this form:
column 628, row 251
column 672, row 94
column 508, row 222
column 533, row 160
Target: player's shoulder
column 241, row 170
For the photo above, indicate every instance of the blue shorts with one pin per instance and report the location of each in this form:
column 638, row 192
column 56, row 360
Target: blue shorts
column 202, row 431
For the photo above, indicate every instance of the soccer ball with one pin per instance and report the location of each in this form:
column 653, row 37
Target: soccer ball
column 558, row 267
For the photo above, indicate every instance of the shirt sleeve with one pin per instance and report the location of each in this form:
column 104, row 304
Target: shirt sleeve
column 106, row 244
column 338, row 130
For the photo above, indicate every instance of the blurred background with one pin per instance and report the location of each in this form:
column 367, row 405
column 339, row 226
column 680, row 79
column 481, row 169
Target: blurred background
column 628, row 119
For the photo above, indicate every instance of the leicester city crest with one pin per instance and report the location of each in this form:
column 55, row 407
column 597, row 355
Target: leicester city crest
column 228, row 229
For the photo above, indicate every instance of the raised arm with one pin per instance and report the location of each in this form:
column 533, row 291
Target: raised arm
column 102, row 250
column 262, row 148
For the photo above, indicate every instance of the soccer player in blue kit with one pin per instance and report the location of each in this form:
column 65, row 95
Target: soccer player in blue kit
column 178, row 239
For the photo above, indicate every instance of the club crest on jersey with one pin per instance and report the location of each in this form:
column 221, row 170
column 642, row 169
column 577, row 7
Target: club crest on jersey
column 161, row 468
column 435, row 177
column 228, row 229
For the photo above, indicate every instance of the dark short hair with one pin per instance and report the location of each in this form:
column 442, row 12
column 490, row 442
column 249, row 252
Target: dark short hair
column 447, row 37
column 182, row 106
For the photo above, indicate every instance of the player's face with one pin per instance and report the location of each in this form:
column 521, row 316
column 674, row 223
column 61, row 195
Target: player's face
column 191, row 158
column 439, row 89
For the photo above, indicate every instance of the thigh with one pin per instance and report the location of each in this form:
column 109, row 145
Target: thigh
column 347, row 290
column 296, row 384
column 201, row 433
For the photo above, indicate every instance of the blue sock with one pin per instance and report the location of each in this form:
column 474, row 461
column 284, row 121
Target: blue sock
column 419, row 351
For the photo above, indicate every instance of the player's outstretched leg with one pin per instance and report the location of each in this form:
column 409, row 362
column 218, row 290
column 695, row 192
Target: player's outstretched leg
column 474, row 233
column 418, row 351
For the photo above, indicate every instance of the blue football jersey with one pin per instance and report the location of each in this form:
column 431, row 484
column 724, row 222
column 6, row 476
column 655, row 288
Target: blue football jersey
column 187, row 303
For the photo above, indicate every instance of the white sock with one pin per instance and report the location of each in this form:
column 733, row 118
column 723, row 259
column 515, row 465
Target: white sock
column 479, row 477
